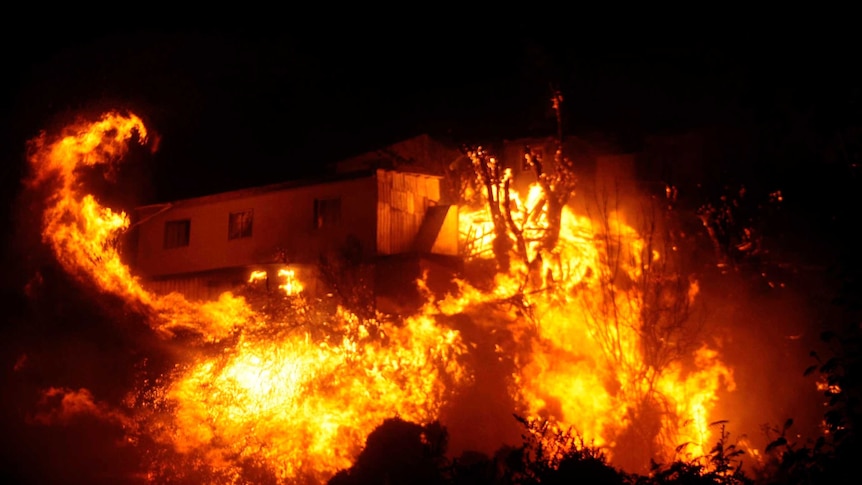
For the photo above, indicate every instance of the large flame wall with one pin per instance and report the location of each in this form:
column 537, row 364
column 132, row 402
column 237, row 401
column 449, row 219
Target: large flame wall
column 298, row 400
column 261, row 394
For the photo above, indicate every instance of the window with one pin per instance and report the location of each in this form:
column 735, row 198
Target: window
column 239, row 224
column 177, row 233
column 327, row 212
column 538, row 153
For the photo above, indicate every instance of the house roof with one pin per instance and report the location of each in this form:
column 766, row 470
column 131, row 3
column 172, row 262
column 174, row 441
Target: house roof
column 263, row 189
column 419, row 154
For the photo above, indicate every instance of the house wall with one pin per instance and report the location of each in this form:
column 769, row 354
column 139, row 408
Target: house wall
column 401, row 206
column 209, row 285
column 615, row 175
column 283, row 228
column 404, row 198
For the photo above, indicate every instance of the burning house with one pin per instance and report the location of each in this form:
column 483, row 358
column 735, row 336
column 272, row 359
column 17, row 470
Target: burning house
column 390, row 220
column 582, row 343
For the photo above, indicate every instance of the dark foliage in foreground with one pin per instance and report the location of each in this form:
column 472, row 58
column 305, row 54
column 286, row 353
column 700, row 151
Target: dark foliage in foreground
column 402, row 452
column 399, row 452
column 834, row 456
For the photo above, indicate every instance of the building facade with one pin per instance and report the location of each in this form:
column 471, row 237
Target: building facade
column 205, row 245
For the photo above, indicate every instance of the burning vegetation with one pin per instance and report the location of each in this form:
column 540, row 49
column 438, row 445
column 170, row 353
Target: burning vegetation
column 594, row 313
column 612, row 349
column 291, row 401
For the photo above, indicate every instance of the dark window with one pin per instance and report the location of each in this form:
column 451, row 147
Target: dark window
column 239, row 224
column 538, row 153
column 327, row 212
column 177, row 233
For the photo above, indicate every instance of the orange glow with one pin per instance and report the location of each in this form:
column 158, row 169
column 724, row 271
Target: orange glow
column 588, row 368
column 299, row 399
column 296, row 401
column 60, row 405
column 257, row 276
column 302, row 406
column 291, row 285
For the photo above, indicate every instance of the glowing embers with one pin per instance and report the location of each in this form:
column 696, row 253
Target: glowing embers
column 248, row 396
column 593, row 348
column 303, row 406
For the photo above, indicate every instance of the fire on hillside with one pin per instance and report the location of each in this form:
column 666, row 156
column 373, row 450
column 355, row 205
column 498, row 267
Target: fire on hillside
column 594, row 326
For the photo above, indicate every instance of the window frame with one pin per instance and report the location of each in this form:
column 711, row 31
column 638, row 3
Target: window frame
column 245, row 230
column 174, row 237
column 327, row 212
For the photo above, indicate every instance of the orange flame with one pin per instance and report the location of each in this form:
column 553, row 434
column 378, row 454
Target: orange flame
column 305, row 407
column 298, row 400
column 291, row 285
column 81, row 231
column 257, row 276
column 297, row 403
column 588, row 368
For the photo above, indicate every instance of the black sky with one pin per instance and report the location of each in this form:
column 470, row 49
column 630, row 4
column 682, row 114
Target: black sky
column 242, row 106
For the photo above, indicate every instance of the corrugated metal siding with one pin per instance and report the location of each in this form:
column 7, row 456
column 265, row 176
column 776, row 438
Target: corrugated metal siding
column 403, row 199
column 384, row 222
column 194, row 288
column 384, row 197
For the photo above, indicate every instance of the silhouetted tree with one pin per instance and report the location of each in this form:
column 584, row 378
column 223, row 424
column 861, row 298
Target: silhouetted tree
column 558, row 183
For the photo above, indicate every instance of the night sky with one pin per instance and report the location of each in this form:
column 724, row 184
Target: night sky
column 240, row 107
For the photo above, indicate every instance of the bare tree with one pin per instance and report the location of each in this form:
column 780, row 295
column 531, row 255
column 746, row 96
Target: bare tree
column 639, row 291
column 644, row 291
column 496, row 183
column 558, row 184
column 520, row 234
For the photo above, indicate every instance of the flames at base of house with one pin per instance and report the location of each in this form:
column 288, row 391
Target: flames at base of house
column 297, row 398
column 291, row 285
column 588, row 337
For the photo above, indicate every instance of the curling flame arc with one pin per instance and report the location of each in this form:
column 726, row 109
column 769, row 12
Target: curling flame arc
column 292, row 402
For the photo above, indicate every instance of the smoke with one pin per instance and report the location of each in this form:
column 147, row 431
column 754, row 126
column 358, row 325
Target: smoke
column 62, row 348
column 766, row 334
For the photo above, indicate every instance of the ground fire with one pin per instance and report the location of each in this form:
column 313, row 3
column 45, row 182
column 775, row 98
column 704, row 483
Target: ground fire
column 596, row 326
column 296, row 402
column 609, row 352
